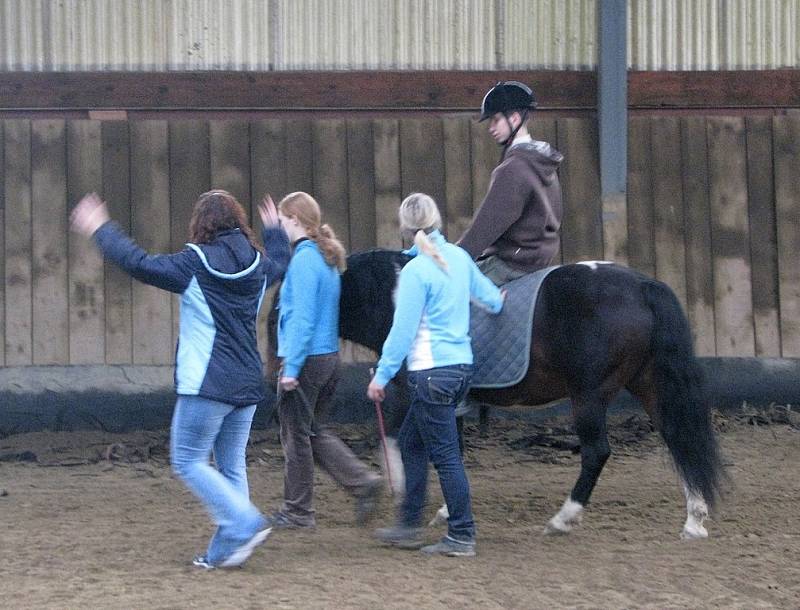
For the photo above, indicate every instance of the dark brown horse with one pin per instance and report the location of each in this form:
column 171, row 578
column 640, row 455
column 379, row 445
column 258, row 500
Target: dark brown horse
column 598, row 328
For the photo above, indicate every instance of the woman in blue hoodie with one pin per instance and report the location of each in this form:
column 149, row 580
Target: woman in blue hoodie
column 308, row 343
column 221, row 275
column 430, row 331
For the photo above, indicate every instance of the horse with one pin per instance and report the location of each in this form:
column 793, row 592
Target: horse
column 598, row 328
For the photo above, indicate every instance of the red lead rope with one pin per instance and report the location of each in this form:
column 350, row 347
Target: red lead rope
column 382, row 432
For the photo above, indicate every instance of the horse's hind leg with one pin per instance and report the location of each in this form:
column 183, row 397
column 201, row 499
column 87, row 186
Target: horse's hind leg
column 696, row 507
column 590, row 424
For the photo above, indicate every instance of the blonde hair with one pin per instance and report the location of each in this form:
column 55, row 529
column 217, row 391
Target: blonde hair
column 306, row 209
column 418, row 213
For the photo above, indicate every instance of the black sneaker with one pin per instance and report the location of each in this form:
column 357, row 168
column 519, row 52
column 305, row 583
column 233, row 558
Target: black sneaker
column 368, row 502
column 282, row 521
column 451, row 547
column 402, row 536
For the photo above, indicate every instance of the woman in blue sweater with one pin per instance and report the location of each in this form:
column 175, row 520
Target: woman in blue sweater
column 308, row 343
column 430, row 331
column 221, row 275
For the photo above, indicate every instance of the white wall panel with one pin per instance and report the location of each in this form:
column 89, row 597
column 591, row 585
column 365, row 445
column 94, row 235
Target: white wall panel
column 713, row 34
column 153, row 35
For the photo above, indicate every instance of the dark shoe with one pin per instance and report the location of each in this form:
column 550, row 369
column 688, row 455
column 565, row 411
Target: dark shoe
column 282, row 521
column 401, row 536
column 368, row 502
column 451, row 548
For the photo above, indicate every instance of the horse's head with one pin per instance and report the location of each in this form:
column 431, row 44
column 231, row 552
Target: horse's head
column 366, row 307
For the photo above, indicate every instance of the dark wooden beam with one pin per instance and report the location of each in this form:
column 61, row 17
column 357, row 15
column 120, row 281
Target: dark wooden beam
column 707, row 89
column 408, row 90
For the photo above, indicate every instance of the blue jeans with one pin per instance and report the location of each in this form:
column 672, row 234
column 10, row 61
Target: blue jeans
column 428, row 434
column 200, row 425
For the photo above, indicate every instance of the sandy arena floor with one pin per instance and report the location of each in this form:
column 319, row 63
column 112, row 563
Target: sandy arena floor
column 98, row 521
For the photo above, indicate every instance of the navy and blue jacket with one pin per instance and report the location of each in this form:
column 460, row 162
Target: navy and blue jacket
column 222, row 285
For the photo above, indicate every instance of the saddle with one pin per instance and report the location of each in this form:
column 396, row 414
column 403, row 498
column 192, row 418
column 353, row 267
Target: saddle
column 501, row 344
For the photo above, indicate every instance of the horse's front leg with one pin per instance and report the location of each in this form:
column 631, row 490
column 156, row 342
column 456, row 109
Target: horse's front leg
column 590, row 424
column 696, row 513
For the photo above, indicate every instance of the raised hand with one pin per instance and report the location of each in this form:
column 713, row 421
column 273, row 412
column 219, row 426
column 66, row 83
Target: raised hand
column 268, row 212
column 89, row 215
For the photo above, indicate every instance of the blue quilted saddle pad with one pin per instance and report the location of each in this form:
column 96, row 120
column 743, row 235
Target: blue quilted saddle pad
column 501, row 343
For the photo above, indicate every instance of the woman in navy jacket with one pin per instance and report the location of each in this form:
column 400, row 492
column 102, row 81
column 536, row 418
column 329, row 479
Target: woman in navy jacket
column 221, row 275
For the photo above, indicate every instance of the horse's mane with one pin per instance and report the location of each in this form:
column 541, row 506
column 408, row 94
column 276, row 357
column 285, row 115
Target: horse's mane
column 365, row 306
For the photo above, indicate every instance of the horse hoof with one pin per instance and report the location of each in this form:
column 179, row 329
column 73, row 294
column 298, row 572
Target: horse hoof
column 552, row 529
column 440, row 517
column 694, row 533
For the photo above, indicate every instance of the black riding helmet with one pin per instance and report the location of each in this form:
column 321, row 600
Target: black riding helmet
column 507, row 97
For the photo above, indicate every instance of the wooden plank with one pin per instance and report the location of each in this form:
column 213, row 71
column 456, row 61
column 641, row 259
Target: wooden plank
column 544, row 128
column 150, row 222
column 786, row 147
column 428, row 90
column 361, row 184
column 763, row 236
column 484, row 157
column 668, row 204
column 281, row 90
column 581, row 231
column 697, row 221
column 330, row 175
column 2, row 247
column 230, row 159
column 87, row 322
column 118, row 284
column 641, row 225
column 299, row 156
column 714, row 89
column 267, row 175
column 50, row 294
column 730, row 240
column 422, row 160
column 457, row 176
column 18, row 243
column 387, row 182
column 267, row 162
column 189, row 177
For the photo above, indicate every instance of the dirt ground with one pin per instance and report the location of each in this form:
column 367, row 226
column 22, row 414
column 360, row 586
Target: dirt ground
column 93, row 520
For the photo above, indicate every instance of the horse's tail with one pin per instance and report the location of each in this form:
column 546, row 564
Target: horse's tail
column 683, row 411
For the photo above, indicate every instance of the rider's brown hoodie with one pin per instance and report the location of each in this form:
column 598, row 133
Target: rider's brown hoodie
column 520, row 217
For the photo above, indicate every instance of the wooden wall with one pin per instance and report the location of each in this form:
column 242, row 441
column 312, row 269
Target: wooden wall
column 711, row 211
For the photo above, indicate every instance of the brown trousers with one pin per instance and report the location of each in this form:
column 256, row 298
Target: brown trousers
column 305, row 440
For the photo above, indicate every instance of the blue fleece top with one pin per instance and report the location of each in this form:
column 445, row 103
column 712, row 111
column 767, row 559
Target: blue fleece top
column 222, row 285
column 308, row 309
column 431, row 319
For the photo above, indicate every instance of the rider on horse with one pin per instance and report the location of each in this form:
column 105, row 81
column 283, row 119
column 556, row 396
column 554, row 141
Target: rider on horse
column 515, row 230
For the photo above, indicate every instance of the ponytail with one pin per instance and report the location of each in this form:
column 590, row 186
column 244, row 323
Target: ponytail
column 427, row 247
column 332, row 249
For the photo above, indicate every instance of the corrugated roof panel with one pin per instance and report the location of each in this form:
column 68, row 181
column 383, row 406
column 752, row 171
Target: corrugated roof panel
column 713, row 34
column 131, row 35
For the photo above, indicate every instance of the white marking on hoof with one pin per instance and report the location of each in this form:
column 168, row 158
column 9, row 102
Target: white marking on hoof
column 567, row 518
column 696, row 513
column 392, row 465
column 441, row 516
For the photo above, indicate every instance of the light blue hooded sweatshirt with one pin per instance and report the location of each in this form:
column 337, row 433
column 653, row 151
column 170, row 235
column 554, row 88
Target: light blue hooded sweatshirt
column 431, row 319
